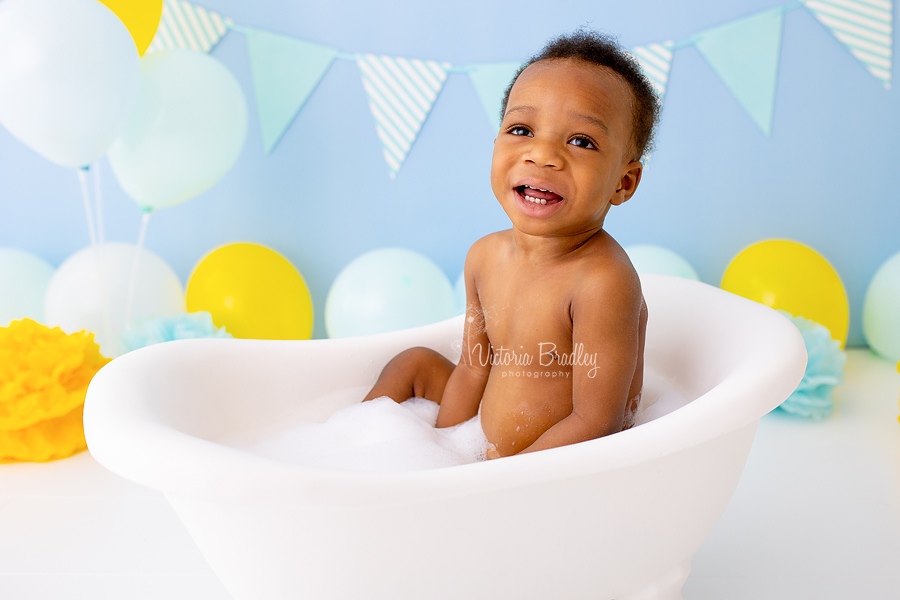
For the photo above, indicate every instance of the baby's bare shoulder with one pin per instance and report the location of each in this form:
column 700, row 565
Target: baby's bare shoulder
column 491, row 245
column 607, row 272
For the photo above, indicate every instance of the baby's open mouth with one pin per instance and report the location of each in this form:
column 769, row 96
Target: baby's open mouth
column 538, row 196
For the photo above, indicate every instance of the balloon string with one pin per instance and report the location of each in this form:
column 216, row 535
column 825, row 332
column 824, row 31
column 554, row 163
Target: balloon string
column 145, row 219
column 82, row 178
column 98, row 201
column 104, row 301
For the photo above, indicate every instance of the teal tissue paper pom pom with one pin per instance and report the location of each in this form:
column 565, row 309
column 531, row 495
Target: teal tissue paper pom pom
column 824, row 370
column 183, row 326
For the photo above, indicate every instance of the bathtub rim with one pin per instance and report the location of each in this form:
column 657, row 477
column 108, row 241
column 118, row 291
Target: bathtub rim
column 130, row 440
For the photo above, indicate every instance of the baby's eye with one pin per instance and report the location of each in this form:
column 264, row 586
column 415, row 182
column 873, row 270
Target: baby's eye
column 582, row 142
column 519, row 130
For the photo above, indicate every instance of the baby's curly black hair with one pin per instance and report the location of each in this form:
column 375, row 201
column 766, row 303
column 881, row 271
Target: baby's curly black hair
column 602, row 50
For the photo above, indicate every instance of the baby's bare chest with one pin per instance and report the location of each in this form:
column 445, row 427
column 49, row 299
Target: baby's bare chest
column 527, row 313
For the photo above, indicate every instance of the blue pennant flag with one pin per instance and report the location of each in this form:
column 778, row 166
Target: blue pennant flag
column 865, row 27
column 491, row 81
column 186, row 25
column 656, row 62
column 745, row 55
column 285, row 72
column 401, row 92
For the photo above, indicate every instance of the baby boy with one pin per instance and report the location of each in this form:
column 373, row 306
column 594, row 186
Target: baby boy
column 553, row 344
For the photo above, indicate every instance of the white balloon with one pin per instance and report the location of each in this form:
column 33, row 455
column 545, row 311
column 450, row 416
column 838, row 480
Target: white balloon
column 69, row 77
column 74, row 301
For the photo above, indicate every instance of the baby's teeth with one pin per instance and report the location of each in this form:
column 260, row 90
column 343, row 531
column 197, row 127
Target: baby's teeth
column 535, row 200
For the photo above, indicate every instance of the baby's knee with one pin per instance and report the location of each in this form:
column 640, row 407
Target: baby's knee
column 412, row 359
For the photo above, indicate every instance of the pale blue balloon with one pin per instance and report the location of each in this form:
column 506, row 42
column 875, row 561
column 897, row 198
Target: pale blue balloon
column 186, row 131
column 24, row 278
column 881, row 310
column 386, row 290
column 657, row 260
column 459, row 290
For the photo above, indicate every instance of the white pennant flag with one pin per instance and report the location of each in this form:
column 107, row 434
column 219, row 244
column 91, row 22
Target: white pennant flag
column 401, row 92
column 656, row 62
column 865, row 27
column 186, row 25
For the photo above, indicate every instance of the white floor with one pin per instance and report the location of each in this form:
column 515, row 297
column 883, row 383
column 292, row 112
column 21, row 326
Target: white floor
column 816, row 516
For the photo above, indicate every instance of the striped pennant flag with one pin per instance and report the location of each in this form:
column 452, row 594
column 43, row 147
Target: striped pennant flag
column 401, row 92
column 656, row 62
column 865, row 27
column 186, row 25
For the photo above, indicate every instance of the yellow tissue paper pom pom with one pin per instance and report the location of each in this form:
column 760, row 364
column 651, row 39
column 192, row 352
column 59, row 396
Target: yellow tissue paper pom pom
column 44, row 375
column 47, row 440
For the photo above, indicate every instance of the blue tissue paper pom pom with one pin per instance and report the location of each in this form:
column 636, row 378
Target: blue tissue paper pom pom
column 824, row 370
column 165, row 329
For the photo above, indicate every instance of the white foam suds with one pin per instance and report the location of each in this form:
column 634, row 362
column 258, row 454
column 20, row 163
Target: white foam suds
column 379, row 435
column 382, row 435
column 659, row 397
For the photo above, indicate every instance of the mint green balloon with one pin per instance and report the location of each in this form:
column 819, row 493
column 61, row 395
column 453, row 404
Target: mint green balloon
column 24, row 278
column 459, row 291
column 881, row 310
column 386, row 290
column 185, row 133
column 657, row 260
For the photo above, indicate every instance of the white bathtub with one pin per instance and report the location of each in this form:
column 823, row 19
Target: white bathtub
column 617, row 517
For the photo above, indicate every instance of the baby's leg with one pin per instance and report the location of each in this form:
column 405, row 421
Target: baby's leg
column 419, row 372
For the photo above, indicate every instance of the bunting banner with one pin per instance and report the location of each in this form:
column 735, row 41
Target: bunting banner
column 865, row 27
column 401, row 92
column 490, row 82
column 656, row 62
column 186, row 25
column 744, row 54
column 285, row 72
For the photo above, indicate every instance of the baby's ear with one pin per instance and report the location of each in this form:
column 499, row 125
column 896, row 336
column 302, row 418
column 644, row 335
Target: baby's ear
column 628, row 184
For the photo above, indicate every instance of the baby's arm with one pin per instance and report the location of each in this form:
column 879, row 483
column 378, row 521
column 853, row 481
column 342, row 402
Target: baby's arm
column 605, row 313
column 462, row 394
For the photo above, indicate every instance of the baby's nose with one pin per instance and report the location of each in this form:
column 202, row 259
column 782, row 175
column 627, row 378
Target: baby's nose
column 544, row 153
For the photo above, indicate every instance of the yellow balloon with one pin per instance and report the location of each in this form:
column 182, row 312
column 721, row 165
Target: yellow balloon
column 789, row 276
column 253, row 292
column 141, row 17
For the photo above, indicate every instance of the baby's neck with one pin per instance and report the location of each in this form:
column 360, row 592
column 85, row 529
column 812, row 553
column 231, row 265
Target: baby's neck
column 551, row 248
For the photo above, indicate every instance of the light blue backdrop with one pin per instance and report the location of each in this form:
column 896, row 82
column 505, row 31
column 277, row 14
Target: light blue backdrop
column 827, row 177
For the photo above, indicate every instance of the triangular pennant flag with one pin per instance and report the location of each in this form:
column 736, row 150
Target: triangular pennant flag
column 186, row 25
column 491, row 81
column 285, row 72
column 401, row 93
column 656, row 62
column 744, row 54
column 865, row 27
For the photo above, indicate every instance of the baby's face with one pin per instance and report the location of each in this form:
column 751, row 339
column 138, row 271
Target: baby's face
column 565, row 141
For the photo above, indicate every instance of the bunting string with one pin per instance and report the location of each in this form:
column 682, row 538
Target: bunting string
column 744, row 53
